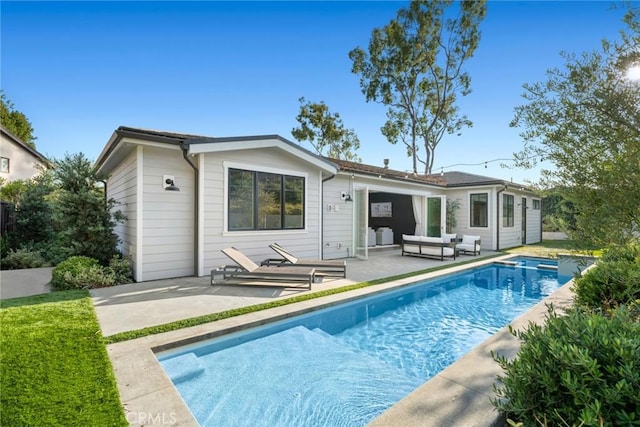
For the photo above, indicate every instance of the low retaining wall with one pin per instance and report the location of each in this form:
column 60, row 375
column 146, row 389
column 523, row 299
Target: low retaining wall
column 570, row 264
column 553, row 235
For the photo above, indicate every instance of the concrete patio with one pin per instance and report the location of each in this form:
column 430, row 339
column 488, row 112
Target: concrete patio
column 460, row 395
column 139, row 305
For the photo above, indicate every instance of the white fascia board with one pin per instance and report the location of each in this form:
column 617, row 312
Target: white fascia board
column 150, row 144
column 213, row 147
column 395, row 186
column 126, row 144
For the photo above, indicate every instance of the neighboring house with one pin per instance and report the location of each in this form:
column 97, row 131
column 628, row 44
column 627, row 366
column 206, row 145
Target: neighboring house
column 251, row 191
column 17, row 159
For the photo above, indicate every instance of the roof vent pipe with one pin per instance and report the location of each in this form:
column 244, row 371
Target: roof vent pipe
column 386, row 163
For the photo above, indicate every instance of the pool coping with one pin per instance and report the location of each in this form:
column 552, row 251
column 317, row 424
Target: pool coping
column 458, row 395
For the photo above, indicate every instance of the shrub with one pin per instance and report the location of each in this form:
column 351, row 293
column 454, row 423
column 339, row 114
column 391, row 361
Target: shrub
column 87, row 278
column 34, row 213
column 630, row 253
column 5, row 246
column 79, row 272
column 22, row 258
column 85, row 219
column 580, row 369
column 614, row 281
column 53, row 251
column 122, row 270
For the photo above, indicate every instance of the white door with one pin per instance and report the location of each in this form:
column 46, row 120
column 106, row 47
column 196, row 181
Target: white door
column 361, row 222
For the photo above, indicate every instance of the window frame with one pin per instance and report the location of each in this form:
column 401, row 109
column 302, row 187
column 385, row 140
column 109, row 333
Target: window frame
column 5, row 161
column 508, row 211
column 283, row 174
column 536, row 204
column 471, row 210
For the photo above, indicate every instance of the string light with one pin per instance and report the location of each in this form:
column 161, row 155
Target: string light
column 485, row 163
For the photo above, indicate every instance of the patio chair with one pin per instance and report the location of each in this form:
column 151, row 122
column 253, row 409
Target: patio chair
column 326, row 267
column 469, row 244
column 249, row 270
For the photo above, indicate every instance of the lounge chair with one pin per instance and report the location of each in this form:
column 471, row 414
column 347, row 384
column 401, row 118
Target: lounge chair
column 469, row 244
column 323, row 266
column 247, row 269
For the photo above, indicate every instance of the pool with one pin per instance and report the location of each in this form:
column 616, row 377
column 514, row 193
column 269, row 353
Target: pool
column 345, row 365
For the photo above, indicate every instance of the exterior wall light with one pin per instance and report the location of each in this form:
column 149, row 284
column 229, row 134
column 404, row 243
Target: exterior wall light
column 168, row 182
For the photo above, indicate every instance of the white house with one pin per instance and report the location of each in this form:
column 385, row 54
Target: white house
column 187, row 197
column 17, row 159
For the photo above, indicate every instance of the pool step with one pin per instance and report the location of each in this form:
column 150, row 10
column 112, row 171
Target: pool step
column 297, row 369
column 183, row 368
column 548, row 267
column 509, row 263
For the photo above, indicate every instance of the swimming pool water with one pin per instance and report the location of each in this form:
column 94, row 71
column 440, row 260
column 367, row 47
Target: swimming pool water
column 345, row 365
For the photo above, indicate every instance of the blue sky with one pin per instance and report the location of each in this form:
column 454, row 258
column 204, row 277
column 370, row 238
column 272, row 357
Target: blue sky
column 78, row 70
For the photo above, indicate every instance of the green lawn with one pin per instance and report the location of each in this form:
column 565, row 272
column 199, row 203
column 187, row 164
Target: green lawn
column 54, row 368
column 551, row 248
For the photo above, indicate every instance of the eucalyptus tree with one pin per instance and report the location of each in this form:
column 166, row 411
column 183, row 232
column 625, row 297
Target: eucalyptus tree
column 585, row 120
column 325, row 131
column 414, row 65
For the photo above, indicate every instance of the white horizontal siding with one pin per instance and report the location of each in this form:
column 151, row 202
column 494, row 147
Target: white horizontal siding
column 337, row 218
column 168, row 216
column 303, row 243
column 122, row 187
column 463, row 215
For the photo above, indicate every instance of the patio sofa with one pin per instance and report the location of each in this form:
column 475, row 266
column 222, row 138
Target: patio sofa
column 470, row 244
column 431, row 247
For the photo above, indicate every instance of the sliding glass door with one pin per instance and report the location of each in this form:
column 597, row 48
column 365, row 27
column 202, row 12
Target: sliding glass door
column 436, row 215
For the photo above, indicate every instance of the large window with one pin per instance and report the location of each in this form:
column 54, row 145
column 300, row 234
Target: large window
column 265, row 201
column 507, row 210
column 479, row 209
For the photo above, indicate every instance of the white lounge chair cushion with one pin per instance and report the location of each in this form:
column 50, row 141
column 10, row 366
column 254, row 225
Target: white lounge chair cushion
column 469, row 239
column 448, row 237
column 432, row 239
column 469, row 243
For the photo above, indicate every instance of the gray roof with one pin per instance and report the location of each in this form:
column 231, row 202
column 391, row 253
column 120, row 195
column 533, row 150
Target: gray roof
column 384, row 172
column 185, row 139
column 464, row 179
column 448, row 179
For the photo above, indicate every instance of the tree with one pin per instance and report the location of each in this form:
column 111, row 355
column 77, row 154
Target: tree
column 414, row 66
column 558, row 213
column 84, row 217
column 325, row 132
column 15, row 121
column 585, row 119
column 11, row 191
column 34, row 216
